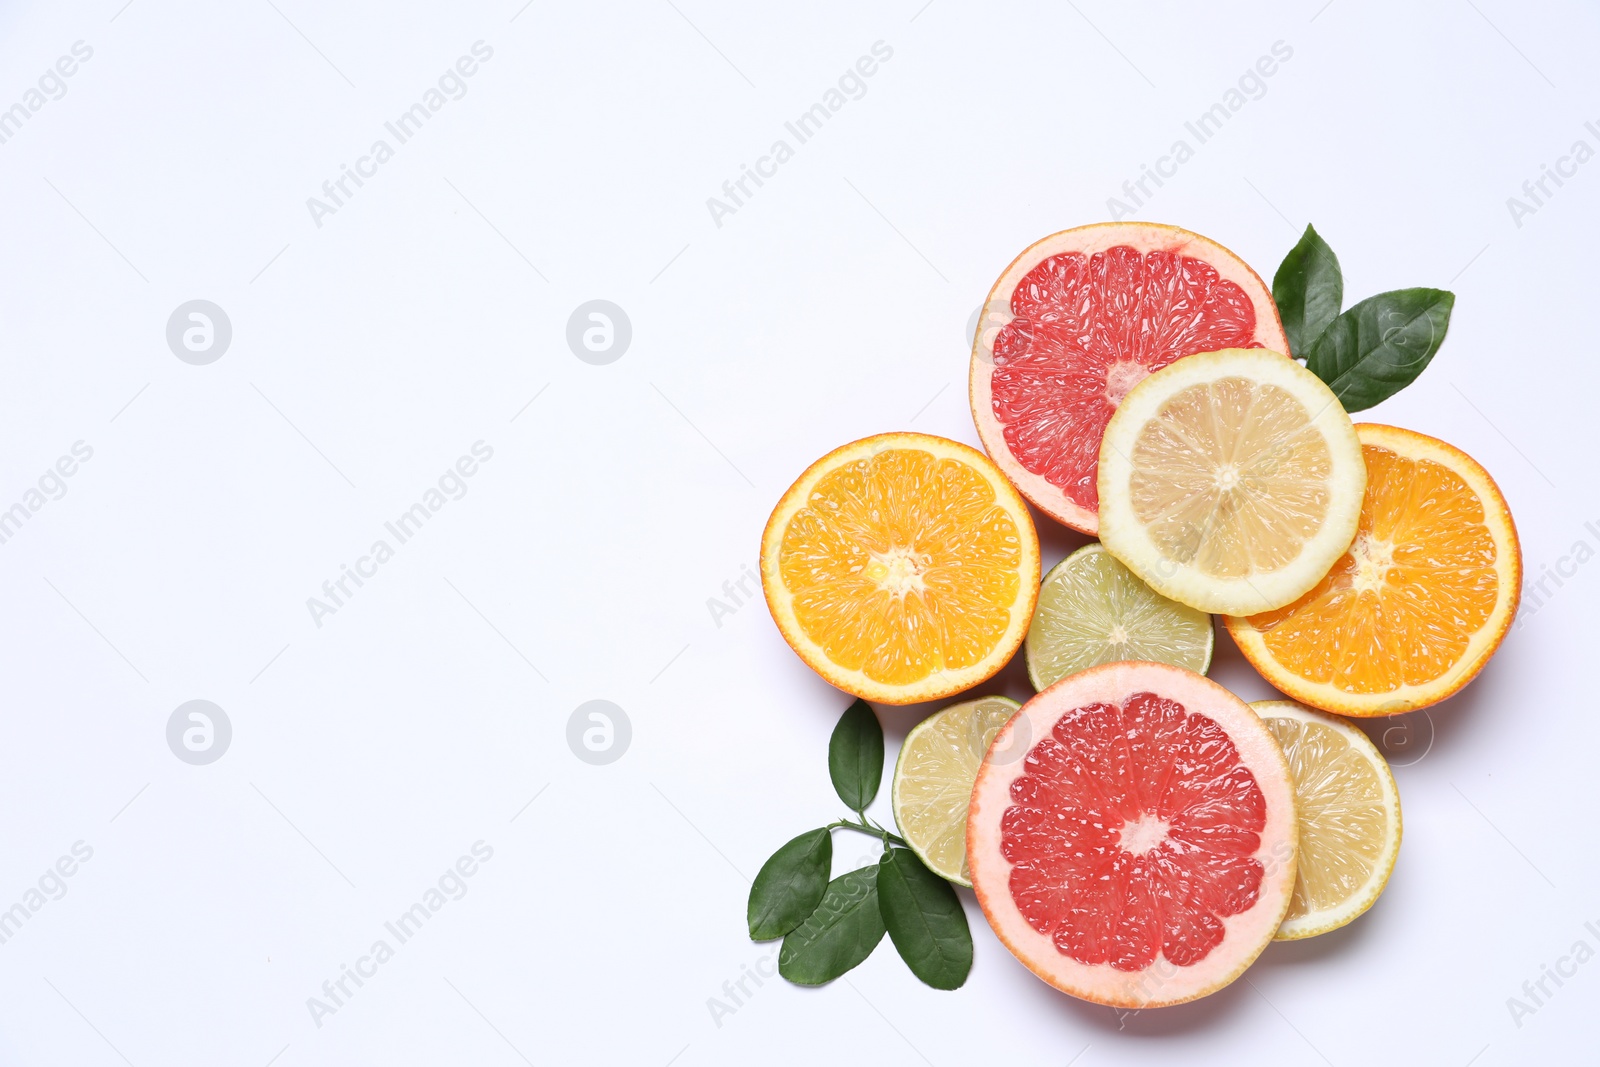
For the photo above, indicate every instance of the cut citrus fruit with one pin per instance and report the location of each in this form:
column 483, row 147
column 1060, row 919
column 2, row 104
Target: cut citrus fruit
column 1093, row 610
column 1418, row 604
column 1132, row 836
column 933, row 780
column 901, row 567
column 1230, row 481
column 1076, row 321
column 1349, row 812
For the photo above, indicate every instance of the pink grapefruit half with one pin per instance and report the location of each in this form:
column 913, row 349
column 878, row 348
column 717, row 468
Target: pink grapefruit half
column 1132, row 835
column 1080, row 318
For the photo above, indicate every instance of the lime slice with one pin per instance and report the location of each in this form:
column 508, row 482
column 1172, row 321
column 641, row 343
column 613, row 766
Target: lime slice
column 1093, row 610
column 933, row 780
column 1349, row 817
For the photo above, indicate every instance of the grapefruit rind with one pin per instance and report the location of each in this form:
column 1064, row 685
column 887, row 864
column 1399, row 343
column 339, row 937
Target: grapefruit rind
column 1247, row 934
column 915, row 835
column 1127, row 538
column 1353, row 906
column 941, row 683
column 1480, row 648
column 1146, row 237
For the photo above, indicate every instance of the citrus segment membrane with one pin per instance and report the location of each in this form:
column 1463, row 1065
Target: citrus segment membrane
column 901, row 567
column 1349, row 812
column 1089, row 328
column 1140, row 849
column 1093, row 610
column 933, row 781
column 1230, row 478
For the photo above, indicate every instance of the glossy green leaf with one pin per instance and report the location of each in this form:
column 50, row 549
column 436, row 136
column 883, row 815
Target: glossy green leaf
column 1378, row 347
column 925, row 920
column 842, row 932
column 855, row 756
column 790, row 885
column 1309, row 290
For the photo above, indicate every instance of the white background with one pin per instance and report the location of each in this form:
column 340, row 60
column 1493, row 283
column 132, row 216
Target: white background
column 372, row 351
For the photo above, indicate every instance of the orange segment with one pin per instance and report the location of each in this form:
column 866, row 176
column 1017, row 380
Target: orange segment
column 902, row 567
column 1420, row 601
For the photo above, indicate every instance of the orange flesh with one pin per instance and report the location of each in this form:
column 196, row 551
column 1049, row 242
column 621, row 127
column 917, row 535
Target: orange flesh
column 901, row 565
column 1402, row 605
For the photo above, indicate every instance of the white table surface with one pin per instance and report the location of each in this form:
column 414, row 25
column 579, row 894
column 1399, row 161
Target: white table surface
column 374, row 345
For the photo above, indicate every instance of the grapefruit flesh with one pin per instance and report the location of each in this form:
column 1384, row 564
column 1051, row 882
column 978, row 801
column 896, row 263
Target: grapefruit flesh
column 1132, row 835
column 1078, row 320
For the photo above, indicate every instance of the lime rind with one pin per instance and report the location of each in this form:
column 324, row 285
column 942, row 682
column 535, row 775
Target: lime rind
column 1093, row 610
column 933, row 777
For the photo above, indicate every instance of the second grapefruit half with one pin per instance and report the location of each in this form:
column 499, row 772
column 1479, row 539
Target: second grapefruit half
column 1132, row 835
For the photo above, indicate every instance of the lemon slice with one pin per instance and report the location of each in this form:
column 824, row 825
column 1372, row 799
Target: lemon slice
column 1093, row 610
column 933, row 781
column 1349, row 817
column 1230, row 481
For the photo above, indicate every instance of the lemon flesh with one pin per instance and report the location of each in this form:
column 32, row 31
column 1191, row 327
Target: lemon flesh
column 1349, row 811
column 1230, row 481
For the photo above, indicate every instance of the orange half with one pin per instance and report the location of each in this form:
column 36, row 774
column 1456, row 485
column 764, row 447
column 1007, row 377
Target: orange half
column 902, row 567
column 1419, row 603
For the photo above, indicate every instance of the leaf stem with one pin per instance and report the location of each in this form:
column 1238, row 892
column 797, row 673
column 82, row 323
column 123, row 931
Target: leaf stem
column 865, row 826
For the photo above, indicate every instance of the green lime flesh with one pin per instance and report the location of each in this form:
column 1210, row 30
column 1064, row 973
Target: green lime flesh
column 1094, row 610
column 933, row 778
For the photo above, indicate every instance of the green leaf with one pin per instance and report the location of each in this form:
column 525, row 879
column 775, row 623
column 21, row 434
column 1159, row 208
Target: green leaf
column 855, row 756
column 1378, row 347
column 925, row 920
column 790, row 885
column 842, row 932
column 1309, row 290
